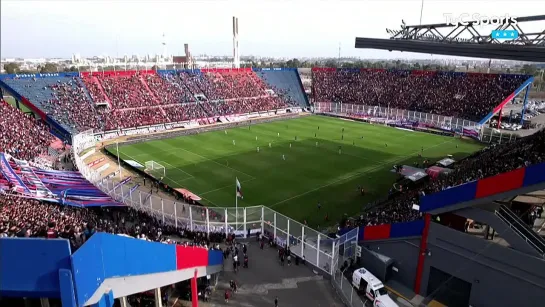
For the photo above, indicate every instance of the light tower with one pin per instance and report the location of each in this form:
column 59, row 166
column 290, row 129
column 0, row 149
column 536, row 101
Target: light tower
column 236, row 55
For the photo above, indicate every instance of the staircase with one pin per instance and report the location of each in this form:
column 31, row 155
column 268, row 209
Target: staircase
column 521, row 228
column 145, row 84
column 106, row 98
column 157, row 101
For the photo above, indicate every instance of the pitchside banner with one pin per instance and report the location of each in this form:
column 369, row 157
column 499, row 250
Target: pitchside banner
column 131, row 190
column 470, row 132
column 122, row 182
column 93, row 163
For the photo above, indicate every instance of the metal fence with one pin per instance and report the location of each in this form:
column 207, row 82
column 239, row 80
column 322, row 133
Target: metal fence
column 345, row 249
column 489, row 135
column 439, row 121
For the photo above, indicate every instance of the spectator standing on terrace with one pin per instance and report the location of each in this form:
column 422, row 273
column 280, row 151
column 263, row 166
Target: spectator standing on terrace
column 20, row 135
column 51, row 231
column 89, row 231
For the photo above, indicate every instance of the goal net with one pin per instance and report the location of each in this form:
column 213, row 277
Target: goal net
column 155, row 169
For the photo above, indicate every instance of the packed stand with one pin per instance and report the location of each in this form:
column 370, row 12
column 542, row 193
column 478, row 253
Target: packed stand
column 209, row 108
column 129, row 118
column 25, row 217
column 398, row 209
column 71, row 106
column 235, row 84
column 234, row 107
column 494, row 160
column 195, row 82
column 466, row 96
column 94, row 88
column 127, row 92
column 166, row 90
column 22, row 136
column 491, row 161
column 189, row 111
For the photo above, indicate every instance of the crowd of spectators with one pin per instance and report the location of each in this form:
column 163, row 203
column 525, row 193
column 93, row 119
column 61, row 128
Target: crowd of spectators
column 235, row 84
column 25, row 217
column 249, row 105
column 195, row 82
column 103, row 101
column 127, row 92
column 493, row 160
column 128, row 118
column 94, row 89
column 167, row 91
column 72, row 107
column 22, row 136
column 188, row 111
column 467, row 96
column 490, row 161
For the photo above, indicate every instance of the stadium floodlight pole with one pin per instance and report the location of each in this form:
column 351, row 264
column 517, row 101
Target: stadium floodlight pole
column 421, row 10
column 118, row 160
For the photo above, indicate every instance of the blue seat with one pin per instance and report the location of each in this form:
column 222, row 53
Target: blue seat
column 287, row 81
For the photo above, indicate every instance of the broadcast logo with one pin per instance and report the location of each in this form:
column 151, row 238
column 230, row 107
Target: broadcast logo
column 480, row 20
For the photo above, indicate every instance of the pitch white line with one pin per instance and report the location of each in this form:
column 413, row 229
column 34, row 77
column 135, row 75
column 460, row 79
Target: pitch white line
column 357, row 174
column 179, row 169
column 207, row 159
column 132, row 157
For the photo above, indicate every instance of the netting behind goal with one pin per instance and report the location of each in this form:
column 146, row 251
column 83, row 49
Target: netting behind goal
column 155, row 169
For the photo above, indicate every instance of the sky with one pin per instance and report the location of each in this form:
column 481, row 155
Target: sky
column 297, row 28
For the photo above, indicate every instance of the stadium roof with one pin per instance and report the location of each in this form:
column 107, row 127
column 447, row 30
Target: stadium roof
column 487, row 51
column 464, row 40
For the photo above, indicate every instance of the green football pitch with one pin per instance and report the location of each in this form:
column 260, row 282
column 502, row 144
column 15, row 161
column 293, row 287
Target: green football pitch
column 313, row 171
column 10, row 100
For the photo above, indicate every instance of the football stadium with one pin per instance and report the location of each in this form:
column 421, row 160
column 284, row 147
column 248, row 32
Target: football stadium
column 193, row 181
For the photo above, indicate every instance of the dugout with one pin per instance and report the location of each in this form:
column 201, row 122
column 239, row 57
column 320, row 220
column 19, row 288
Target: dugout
column 410, row 176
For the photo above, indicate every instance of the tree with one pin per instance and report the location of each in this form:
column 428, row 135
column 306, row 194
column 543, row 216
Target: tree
column 295, row 63
column 330, row 63
column 529, row 69
column 49, row 68
column 11, row 68
column 71, row 69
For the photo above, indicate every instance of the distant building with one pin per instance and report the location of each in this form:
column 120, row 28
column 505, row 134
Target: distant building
column 184, row 62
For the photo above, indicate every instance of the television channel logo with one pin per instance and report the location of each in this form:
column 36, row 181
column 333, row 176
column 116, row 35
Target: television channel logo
column 504, row 34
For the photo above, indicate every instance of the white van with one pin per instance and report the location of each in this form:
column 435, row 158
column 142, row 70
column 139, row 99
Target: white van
column 363, row 280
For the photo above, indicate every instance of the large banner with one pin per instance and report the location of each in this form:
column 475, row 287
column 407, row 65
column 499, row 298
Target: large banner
column 122, row 182
column 96, row 162
column 471, row 132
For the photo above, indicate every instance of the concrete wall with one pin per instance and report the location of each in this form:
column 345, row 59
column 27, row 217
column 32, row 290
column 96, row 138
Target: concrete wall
column 499, row 276
column 404, row 252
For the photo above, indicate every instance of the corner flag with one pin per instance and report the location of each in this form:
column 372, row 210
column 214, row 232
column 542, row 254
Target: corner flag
column 239, row 189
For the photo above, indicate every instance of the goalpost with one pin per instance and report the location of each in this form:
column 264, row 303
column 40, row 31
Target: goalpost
column 155, row 169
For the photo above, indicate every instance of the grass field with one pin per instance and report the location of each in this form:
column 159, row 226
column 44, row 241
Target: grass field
column 208, row 163
column 10, row 100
